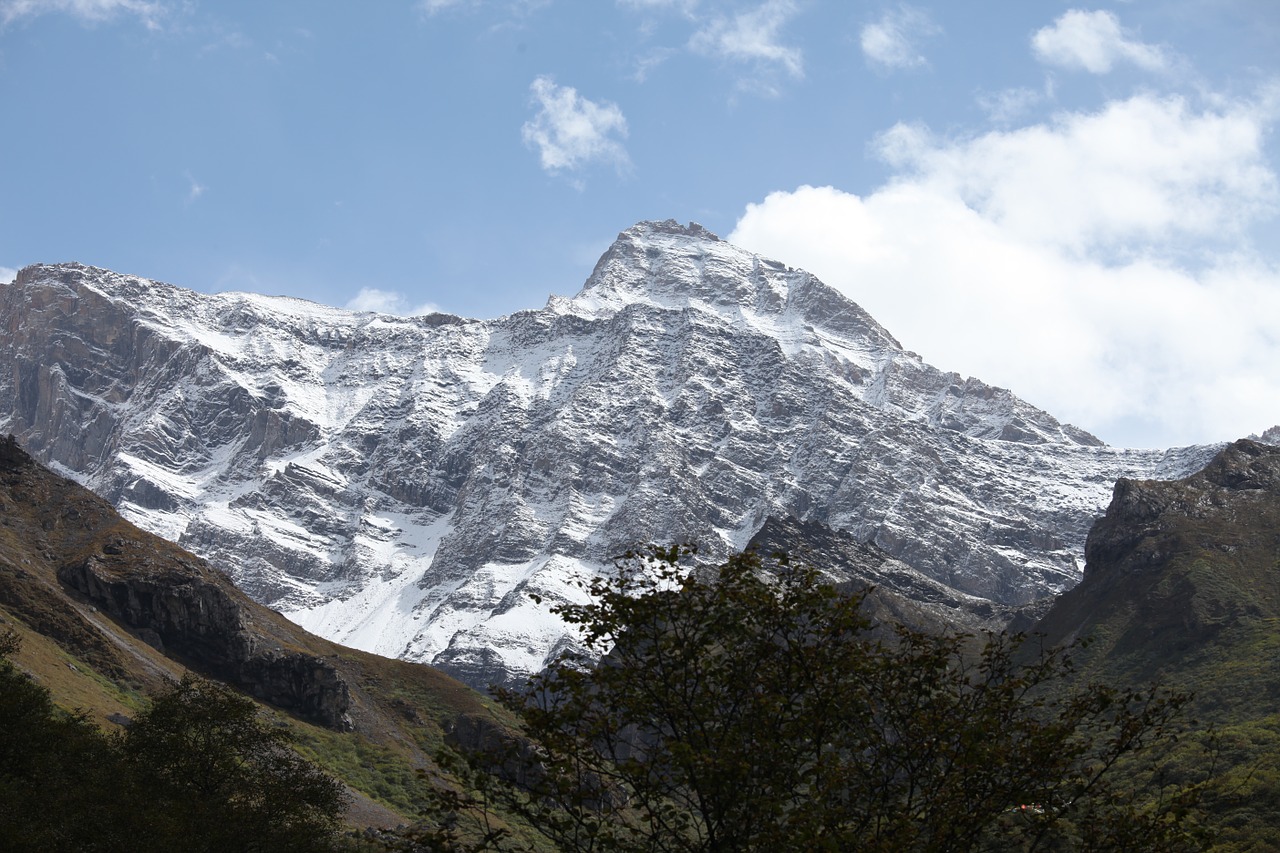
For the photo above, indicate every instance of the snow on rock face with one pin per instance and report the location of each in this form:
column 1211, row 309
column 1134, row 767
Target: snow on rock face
column 410, row 486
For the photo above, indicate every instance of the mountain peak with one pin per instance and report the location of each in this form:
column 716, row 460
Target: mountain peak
column 1269, row 436
column 680, row 267
column 670, row 226
column 1245, row 465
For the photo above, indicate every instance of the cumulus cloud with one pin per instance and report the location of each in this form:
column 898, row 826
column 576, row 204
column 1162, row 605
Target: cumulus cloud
column 1142, row 170
column 753, row 36
column 88, row 11
column 7, row 274
column 570, row 132
column 1009, row 240
column 889, row 44
column 388, row 302
column 1093, row 42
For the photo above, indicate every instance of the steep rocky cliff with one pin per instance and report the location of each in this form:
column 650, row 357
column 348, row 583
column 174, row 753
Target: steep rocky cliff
column 897, row 593
column 428, row 487
column 1181, row 567
column 1182, row 589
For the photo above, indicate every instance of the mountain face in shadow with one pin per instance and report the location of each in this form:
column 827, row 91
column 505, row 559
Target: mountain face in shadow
column 1182, row 589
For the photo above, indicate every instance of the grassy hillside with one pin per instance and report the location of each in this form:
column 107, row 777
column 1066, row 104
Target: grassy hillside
column 108, row 614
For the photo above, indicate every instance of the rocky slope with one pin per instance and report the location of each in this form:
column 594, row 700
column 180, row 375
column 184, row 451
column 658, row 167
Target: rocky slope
column 1182, row 589
column 107, row 612
column 1175, row 567
column 409, row 485
column 897, row 594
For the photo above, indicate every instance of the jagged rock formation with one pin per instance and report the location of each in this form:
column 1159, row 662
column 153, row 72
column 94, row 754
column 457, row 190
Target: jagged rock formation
column 1175, row 566
column 428, row 487
column 176, row 607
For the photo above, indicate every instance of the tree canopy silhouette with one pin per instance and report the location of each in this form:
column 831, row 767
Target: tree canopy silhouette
column 198, row 770
column 753, row 708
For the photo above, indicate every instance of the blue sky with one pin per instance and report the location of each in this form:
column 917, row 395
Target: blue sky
column 1079, row 202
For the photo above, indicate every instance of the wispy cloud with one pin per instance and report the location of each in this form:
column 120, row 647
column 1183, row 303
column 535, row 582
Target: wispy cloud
column 1099, row 264
column 891, row 43
column 434, row 7
column 88, row 11
column 684, row 6
column 1008, row 105
column 389, row 302
column 570, row 132
column 512, row 10
column 647, row 63
column 748, row 41
column 7, row 274
column 1093, row 42
column 753, row 37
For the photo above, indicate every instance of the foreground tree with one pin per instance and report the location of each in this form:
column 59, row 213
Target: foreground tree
column 755, row 710
column 59, row 775
column 199, row 770
column 225, row 779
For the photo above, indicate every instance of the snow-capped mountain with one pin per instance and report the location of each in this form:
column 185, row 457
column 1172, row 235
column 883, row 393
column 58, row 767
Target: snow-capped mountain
column 428, row 487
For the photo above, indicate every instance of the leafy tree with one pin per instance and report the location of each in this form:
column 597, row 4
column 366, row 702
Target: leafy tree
column 59, row 775
column 754, row 710
column 223, row 779
column 198, row 771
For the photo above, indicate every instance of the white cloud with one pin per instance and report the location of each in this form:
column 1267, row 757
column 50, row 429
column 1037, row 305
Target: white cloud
column 388, row 302
column 1093, row 42
column 650, row 61
column 7, row 275
column 514, row 9
column 995, row 255
column 1142, row 170
column 890, row 43
column 432, row 7
column 88, row 11
column 570, row 132
column 752, row 37
column 685, row 6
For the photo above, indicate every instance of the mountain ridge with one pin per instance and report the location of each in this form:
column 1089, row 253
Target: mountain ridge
column 416, row 486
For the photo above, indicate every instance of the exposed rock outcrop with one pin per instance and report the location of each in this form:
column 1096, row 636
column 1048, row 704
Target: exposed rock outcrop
column 169, row 599
column 173, row 606
column 1174, row 567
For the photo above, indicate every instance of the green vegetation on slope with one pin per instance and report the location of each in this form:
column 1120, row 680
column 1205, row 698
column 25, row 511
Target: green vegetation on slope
column 198, row 770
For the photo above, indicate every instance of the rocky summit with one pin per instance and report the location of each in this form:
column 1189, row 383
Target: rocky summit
column 429, row 487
